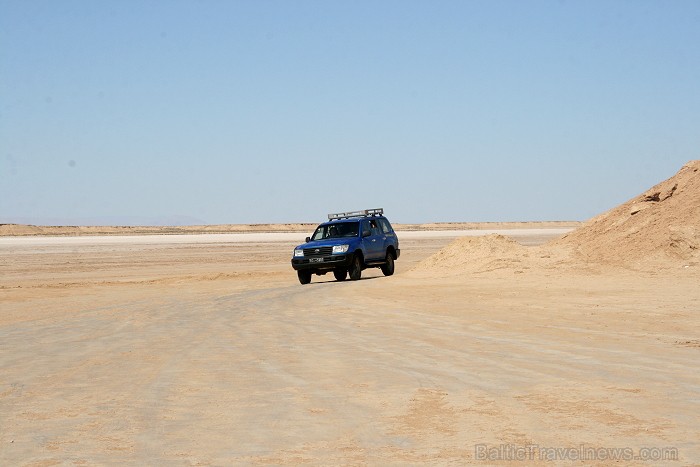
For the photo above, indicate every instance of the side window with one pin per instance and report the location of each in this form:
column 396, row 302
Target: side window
column 374, row 227
column 320, row 233
column 364, row 225
column 386, row 227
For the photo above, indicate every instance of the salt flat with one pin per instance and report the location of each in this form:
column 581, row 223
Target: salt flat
column 257, row 237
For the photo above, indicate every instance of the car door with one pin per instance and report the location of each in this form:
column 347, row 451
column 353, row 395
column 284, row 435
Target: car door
column 388, row 235
column 374, row 243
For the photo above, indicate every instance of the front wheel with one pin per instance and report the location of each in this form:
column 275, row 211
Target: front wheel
column 388, row 267
column 340, row 274
column 355, row 268
column 304, row 277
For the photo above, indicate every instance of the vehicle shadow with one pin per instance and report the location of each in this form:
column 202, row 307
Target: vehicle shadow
column 331, row 281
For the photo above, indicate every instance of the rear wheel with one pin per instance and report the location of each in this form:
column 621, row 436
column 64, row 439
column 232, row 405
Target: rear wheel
column 340, row 274
column 304, row 277
column 388, row 267
column 355, row 268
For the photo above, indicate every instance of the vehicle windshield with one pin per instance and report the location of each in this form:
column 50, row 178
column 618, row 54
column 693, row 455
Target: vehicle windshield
column 336, row 230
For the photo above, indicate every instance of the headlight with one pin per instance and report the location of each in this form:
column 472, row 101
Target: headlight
column 340, row 248
column 298, row 253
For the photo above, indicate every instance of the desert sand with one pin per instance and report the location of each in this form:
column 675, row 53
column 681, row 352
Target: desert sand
column 205, row 350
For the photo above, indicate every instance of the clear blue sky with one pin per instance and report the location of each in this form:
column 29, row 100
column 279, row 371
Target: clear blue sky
column 277, row 111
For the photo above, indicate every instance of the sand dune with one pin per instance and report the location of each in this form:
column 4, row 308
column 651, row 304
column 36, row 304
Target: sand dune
column 475, row 254
column 657, row 230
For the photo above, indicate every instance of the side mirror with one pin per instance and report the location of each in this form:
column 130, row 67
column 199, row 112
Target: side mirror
column 308, row 239
column 366, row 233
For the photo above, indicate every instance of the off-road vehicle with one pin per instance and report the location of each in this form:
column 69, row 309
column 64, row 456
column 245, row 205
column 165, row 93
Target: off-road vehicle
column 348, row 243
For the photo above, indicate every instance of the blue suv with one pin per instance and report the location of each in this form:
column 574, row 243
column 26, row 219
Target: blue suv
column 348, row 243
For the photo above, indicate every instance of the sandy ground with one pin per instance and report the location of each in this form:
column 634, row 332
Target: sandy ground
column 185, row 351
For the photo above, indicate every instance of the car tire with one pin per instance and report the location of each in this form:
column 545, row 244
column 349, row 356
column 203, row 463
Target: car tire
column 304, row 277
column 355, row 269
column 340, row 274
column 388, row 267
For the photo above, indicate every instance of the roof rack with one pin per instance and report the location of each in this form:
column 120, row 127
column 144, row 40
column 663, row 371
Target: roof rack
column 363, row 213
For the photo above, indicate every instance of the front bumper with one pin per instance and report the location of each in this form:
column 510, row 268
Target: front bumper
column 321, row 263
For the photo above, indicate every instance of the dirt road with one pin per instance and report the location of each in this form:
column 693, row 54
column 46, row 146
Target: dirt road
column 187, row 353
